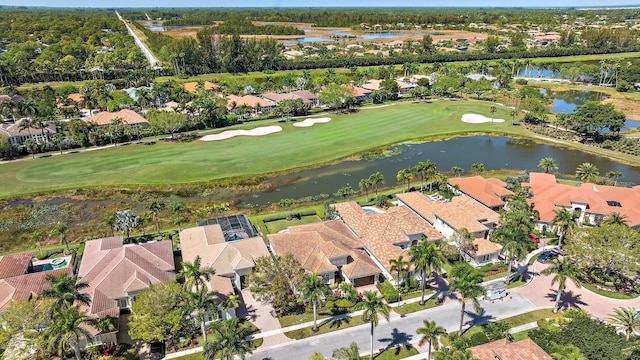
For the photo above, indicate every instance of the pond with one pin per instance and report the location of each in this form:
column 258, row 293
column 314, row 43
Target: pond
column 567, row 101
column 494, row 152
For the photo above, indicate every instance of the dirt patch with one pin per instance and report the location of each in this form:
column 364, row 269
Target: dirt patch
column 628, row 106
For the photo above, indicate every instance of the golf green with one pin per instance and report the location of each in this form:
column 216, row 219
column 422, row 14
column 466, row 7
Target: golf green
column 173, row 163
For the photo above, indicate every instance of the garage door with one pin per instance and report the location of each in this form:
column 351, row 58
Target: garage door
column 364, row 281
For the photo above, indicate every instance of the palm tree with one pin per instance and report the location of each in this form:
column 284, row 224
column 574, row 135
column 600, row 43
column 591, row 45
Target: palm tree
column 466, row 283
column 31, row 147
column 110, row 222
column 492, row 110
column 426, row 257
column 61, row 229
column 587, row 171
column 66, row 330
column 626, row 319
column 514, row 250
column 564, row 221
column 313, row 290
column 364, row 187
column 376, row 179
column 228, row 341
column 430, row 332
column 65, row 290
column 400, row 266
column 154, row 207
column 373, row 307
column 37, row 237
column 201, row 302
column 563, row 269
column 615, row 218
column 477, row 168
column 547, row 164
column 194, row 274
column 614, row 175
column 405, row 176
column 346, row 353
column 513, row 113
column 457, row 171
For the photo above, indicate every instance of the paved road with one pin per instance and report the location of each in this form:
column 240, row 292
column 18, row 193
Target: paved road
column 397, row 331
column 152, row 60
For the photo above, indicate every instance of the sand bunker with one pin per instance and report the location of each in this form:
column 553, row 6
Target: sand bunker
column 477, row 119
column 265, row 130
column 310, row 122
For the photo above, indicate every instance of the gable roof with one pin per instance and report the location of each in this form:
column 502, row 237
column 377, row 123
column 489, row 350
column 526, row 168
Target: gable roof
column 489, row 192
column 113, row 270
column 13, row 129
column 484, row 247
column 249, row 100
column 226, row 258
column 315, row 245
column 26, row 286
column 193, row 86
column 287, row 96
column 380, row 232
column 129, row 117
column 14, row 265
column 461, row 212
column 600, row 199
column 504, row 349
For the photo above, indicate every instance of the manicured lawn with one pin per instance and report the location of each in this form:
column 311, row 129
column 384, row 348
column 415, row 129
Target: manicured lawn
column 307, row 316
column 521, row 335
column 325, row 328
column 241, row 157
column 395, row 353
column 413, row 307
column 278, row 225
column 609, row 294
column 515, row 284
column 196, row 356
column 530, row 317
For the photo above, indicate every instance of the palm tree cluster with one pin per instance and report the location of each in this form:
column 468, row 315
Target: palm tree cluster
column 427, row 171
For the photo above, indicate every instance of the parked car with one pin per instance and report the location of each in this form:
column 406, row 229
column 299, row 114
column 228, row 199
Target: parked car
column 156, row 350
column 543, row 258
column 534, row 238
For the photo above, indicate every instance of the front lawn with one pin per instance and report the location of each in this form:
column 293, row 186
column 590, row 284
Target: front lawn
column 324, row 328
column 413, row 307
column 274, row 227
column 400, row 352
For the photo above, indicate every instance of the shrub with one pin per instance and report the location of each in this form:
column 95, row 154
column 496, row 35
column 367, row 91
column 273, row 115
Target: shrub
column 389, row 292
column 478, row 338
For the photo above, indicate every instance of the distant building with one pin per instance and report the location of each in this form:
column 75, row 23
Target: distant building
column 306, row 96
column 129, row 117
column 255, row 105
column 193, row 87
column 17, row 136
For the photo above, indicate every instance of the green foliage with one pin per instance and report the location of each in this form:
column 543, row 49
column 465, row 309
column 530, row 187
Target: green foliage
column 389, row 292
column 591, row 118
column 272, row 280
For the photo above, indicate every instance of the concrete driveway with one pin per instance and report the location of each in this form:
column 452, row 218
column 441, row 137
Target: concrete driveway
column 263, row 316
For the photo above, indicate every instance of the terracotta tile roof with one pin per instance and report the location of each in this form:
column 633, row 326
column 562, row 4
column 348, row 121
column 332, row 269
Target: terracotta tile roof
column 14, row 265
column 372, row 85
column 76, row 97
column 315, row 245
column 484, row 247
column 489, row 192
column 461, row 212
column 192, row 87
column 506, row 350
column 383, row 233
column 13, row 129
column 26, row 286
column 129, row 117
column 305, row 94
column 113, row 270
column 288, row 96
column 249, row 100
column 358, row 91
column 549, row 195
column 226, row 258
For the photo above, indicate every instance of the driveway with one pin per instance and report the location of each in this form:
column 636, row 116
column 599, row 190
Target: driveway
column 263, row 316
column 542, row 294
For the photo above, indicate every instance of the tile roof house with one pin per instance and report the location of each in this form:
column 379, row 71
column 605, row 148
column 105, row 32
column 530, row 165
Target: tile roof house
column 491, row 192
column 232, row 259
column 193, row 86
column 129, row 117
column 255, row 104
column 593, row 202
column 331, row 249
column 449, row 217
column 115, row 273
column 373, row 85
column 306, row 96
column 26, row 286
column 17, row 136
column 386, row 235
column 359, row 93
column 506, row 350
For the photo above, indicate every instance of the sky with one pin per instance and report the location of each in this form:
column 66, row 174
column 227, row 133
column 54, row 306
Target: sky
column 316, row 3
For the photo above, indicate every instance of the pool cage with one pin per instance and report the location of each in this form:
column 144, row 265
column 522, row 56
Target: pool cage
column 234, row 227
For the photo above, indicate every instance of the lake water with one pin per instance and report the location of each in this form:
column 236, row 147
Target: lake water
column 567, row 101
column 494, row 152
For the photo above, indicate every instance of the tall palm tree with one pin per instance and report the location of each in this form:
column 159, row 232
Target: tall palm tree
column 346, row 353
column 228, row 341
column 587, row 171
column 36, row 237
column 615, row 218
column 430, row 332
column 110, row 222
column 405, row 176
column 564, row 221
column 313, row 290
column 547, row 164
column 399, row 265
column 61, row 229
column 477, row 168
column 64, row 333
column 201, row 302
column 364, row 187
column 65, row 290
column 373, row 307
column 513, row 250
column 563, row 269
column 154, row 207
column 194, row 274
column 626, row 319
column 614, row 175
column 466, row 283
column 457, row 171
column 376, row 179
column 493, row 111
column 426, row 257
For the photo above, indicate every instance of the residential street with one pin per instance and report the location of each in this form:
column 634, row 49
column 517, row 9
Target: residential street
column 397, row 331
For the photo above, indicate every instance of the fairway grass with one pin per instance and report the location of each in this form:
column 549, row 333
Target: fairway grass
column 166, row 163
